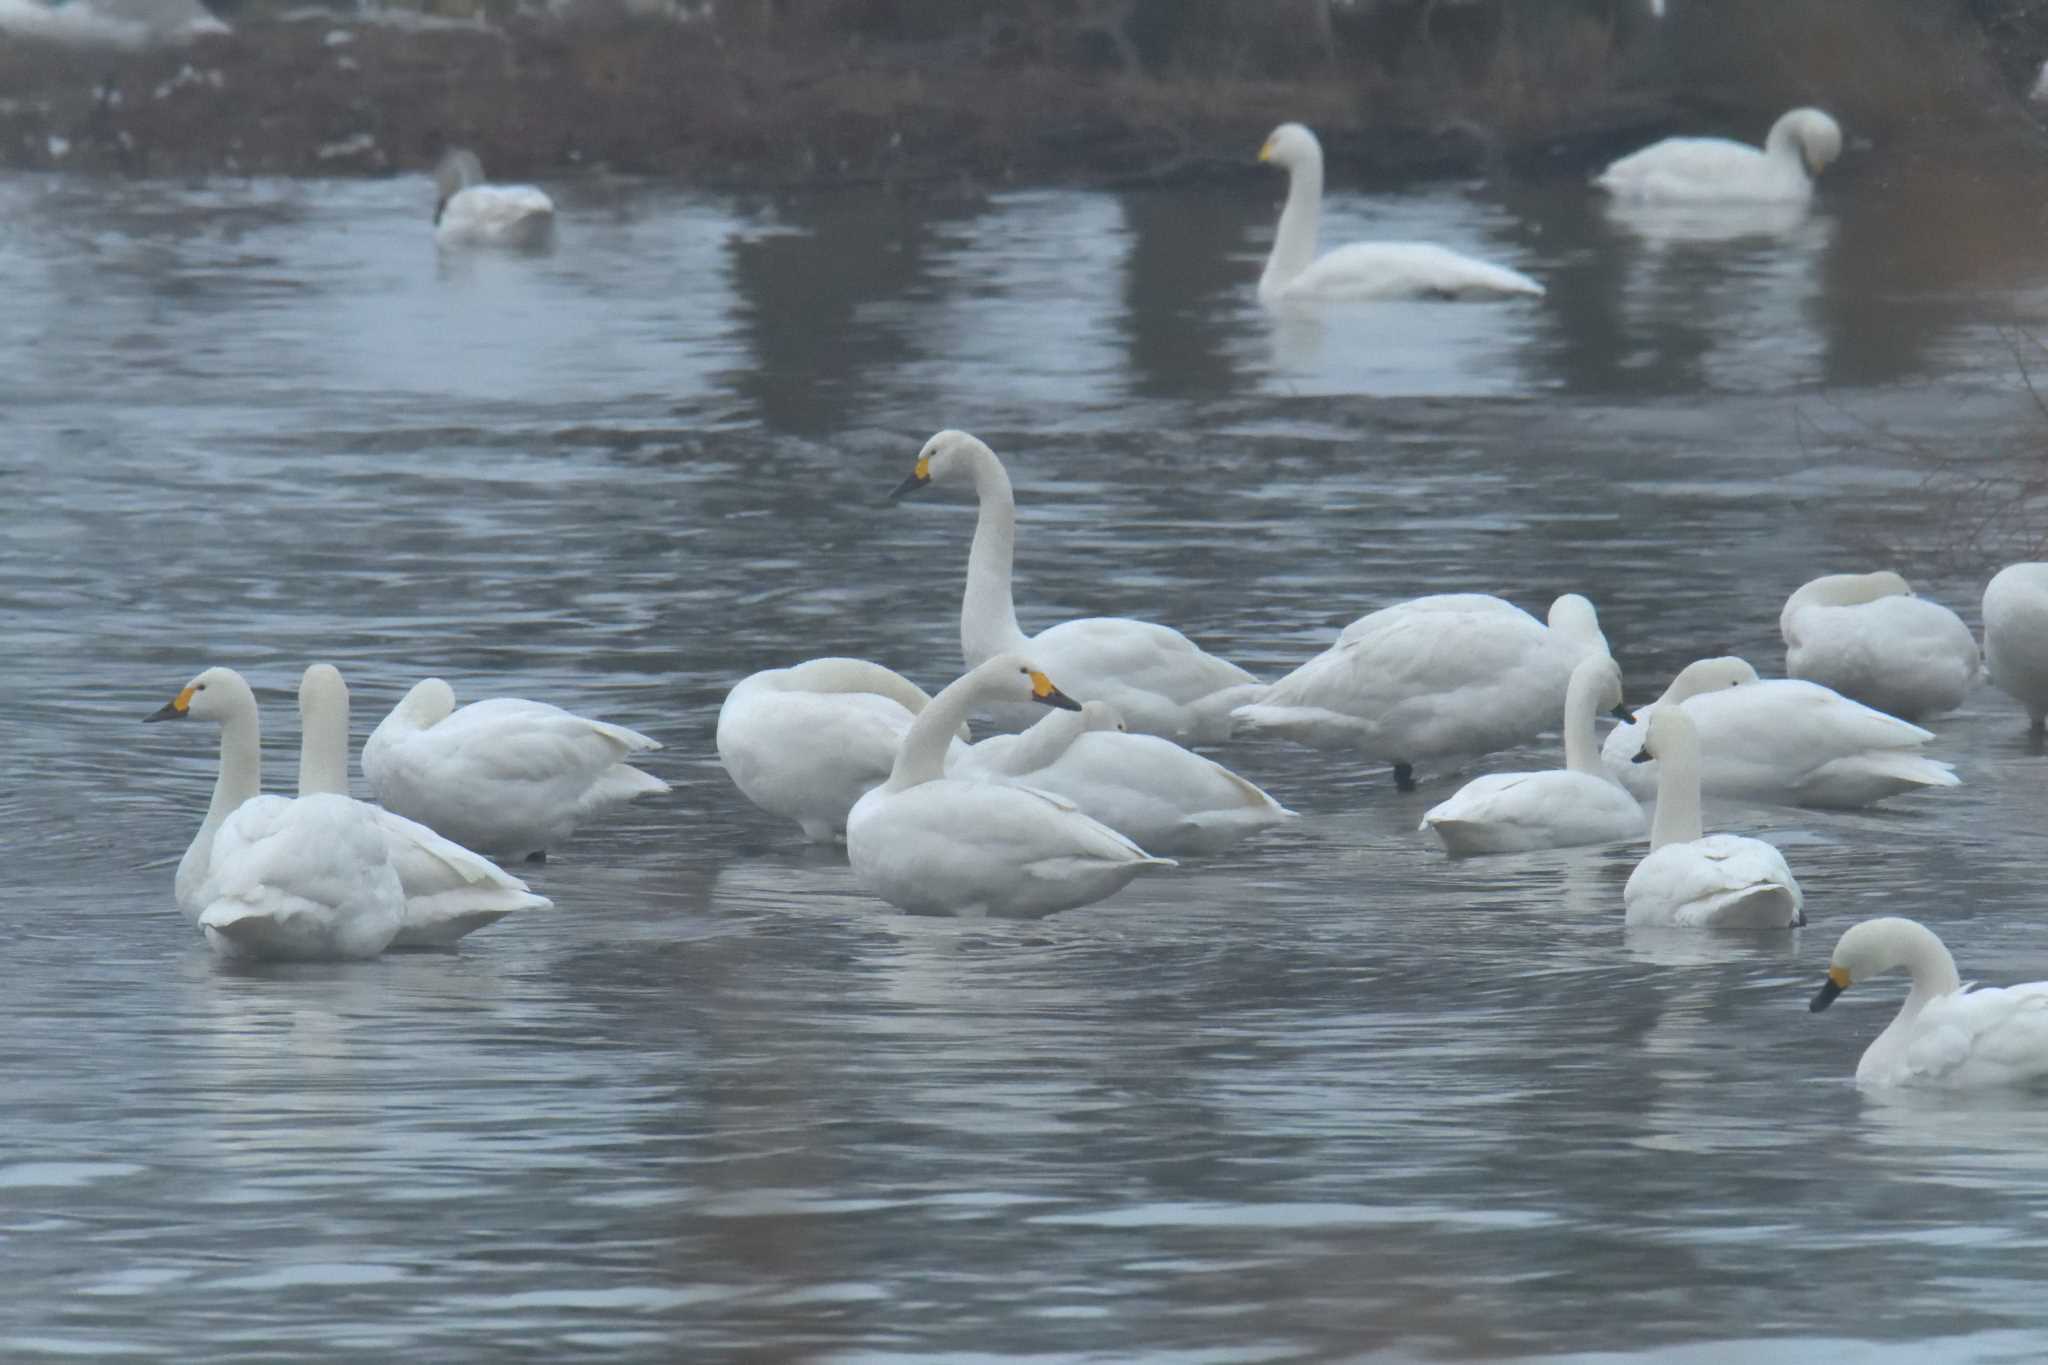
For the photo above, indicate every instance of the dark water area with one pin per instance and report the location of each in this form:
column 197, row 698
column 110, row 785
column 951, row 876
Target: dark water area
column 1330, row 1095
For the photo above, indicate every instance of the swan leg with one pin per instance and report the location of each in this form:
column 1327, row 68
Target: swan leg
column 1404, row 777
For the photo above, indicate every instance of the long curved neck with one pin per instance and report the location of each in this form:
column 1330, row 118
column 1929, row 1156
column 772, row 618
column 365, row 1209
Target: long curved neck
column 1043, row 743
column 1581, row 754
column 1781, row 144
column 1678, row 796
column 323, row 746
column 988, row 614
column 1294, row 245
column 922, row 755
column 843, row 675
column 241, row 763
column 1934, row 975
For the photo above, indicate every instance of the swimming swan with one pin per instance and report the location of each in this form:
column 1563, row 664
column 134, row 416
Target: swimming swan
column 1447, row 676
column 1709, row 169
column 1160, row 681
column 221, row 695
column 449, row 891
column 294, row 880
column 2016, row 637
column 939, row 845
column 1363, row 270
column 806, row 742
column 1946, row 1034
column 1720, row 881
column 1782, row 740
column 1558, row 807
column 470, row 212
column 1868, row 637
column 1148, row 789
column 504, row 775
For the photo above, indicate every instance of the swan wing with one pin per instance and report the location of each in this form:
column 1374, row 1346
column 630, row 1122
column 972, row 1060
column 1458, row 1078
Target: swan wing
column 1384, row 270
column 1995, row 1036
column 1702, row 168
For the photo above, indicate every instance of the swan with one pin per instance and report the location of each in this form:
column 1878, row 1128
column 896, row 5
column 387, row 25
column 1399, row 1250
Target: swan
column 2016, row 637
column 1557, row 808
column 471, row 212
column 1363, row 270
column 1710, row 169
column 306, row 879
column 1868, row 637
column 449, row 891
column 806, row 742
column 1946, row 1034
column 1782, row 740
column 1146, row 788
column 1447, row 676
column 221, row 695
column 503, row 775
column 1720, row 881
column 1160, row 681
column 932, row 844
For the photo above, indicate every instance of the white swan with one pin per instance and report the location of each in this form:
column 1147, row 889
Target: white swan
column 2016, row 636
column 1868, row 637
column 1782, row 740
column 471, row 212
column 1447, row 676
column 449, row 891
column 221, row 695
column 503, row 775
column 1710, row 169
column 296, row 880
column 1363, row 270
column 1946, row 1034
column 1148, row 789
column 1556, row 808
column 933, row 844
column 1720, row 881
column 806, row 742
column 1160, row 681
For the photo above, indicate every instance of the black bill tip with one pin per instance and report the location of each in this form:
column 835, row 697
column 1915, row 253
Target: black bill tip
column 909, row 486
column 1642, row 756
column 1825, row 996
column 168, row 711
column 1061, row 700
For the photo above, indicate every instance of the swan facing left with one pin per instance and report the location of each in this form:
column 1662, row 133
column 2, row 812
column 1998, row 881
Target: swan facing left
column 472, row 212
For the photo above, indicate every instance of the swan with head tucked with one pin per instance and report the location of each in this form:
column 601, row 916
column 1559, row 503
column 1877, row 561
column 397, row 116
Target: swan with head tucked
column 1295, row 275
column 2016, row 637
column 1715, row 169
column 1558, row 807
column 1148, row 789
column 1448, row 676
column 472, row 212
column 1719, row 881
column 1781, row 740
column 1946, row 1034
column 1868, row 637
column 282, row 879
column 1160, row 681
column 806, row 742
column 506, row 775
column 937, row 845
column 449, row 891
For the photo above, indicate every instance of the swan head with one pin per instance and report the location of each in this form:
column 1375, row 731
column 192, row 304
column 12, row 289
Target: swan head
column 1603, row 675
column 321, row 683
column 950, row 453
column 1817, row 136
column 1708, row 675
column 1100, row 715
column 1008, row 677
column 1671, row 732
column 1291, row 145
column 215, row 694
column 1879, row 945
column 431, row 701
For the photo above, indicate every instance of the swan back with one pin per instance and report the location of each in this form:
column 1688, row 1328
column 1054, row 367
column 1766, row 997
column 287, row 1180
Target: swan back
column 1807, row 134
column 1839, row 590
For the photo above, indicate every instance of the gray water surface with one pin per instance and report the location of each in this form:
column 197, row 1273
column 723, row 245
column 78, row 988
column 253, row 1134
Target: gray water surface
column 1328, row 1096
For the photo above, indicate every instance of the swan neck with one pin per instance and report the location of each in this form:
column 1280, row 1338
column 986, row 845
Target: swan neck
column 922, row 755
column 323, row 747
column 1294, row 245
column 241, row 764
column 1044, row 742
column 1581, row 754
column 988, row 613
column 1678, row 796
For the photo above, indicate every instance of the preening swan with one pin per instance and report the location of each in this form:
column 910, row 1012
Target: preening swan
column 471, row 212
column 1782, row 740
column 1711, row 169
column 1946, row 1034
column 806, row 742
column 2016, row 637
column 1448, row 676
column 1363, row 270
column 300, row 880
column 1556, row 808
column 449, row 891
column 1868, row 637
column 1161, row 682
column 1720, row 881
column 940, row 845
column 503, row 775
column 1148, row 789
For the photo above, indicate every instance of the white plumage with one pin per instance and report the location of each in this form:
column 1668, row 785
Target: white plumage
column 306, row 879
column 221, row 695
column 1712, row 169
column 471, row 212
column 2016, row 636
column 1868, row 637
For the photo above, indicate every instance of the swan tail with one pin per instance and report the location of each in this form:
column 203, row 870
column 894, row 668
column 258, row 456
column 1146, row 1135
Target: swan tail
column 619, row 783
column 1308, row 724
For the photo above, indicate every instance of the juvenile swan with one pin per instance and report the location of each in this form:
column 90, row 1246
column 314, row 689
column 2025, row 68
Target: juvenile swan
column 2016, row 637
column 1946, row 1034
column 1720, row 881
column 1868, row 637
column 1714, row 169
column 470, row 212
column 1558, row 807
column 939, row 845
column 1160, row 681
column 1363, row 270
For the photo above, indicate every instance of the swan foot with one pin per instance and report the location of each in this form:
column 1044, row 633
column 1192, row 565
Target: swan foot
column 1404, row 777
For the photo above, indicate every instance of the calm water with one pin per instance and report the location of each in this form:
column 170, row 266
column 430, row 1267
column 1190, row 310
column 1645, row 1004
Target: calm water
column 1330, row 1096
